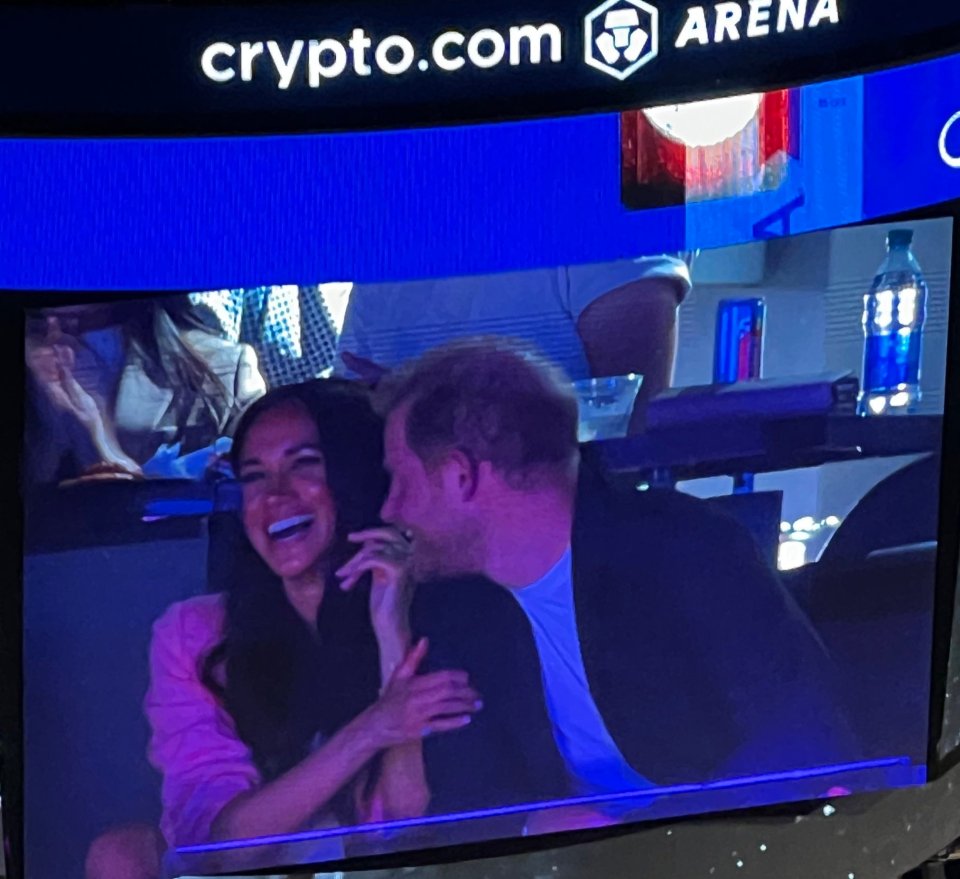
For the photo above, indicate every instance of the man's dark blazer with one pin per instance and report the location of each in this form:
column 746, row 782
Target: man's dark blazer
column 701, row 664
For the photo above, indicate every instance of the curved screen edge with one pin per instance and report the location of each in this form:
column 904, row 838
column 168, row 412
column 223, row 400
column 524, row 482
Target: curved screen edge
column 244, row 211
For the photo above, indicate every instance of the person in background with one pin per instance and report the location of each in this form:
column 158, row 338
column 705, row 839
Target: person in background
column 292, row 699
column 135, row 378
column 290, row 328
column 621, row 641
column 595, row 320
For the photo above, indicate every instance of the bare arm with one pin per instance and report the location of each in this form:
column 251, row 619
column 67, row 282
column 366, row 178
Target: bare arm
column 411, row 707
column 633, row 329
column 52, row 362
column 288, row 803
column 108, row 446
column 211, row 787
column 401, row 790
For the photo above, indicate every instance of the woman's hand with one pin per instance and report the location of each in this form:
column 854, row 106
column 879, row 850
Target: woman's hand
column 385, row 554
column 51, row 360
column 414, row 706
column 68, row 395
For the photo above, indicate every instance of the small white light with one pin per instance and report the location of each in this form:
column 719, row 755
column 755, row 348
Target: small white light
column 806, row 523
column 877, row 405
column 791, row 555
column 831, row 521
column 785, row 527
column 828, row 810
column 907, row 307
column 884, row 314
column 899, row 400
column 763, row 848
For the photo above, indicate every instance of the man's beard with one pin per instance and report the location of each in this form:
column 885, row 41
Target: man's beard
column 452, row 555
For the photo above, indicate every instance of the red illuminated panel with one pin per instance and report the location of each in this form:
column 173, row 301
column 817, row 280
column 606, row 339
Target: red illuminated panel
column 661, row 167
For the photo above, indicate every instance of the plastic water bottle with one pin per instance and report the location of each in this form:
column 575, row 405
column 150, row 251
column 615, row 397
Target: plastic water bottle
column 893, row 314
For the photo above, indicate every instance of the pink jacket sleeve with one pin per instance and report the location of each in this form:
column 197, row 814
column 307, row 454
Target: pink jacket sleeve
column 194, row 743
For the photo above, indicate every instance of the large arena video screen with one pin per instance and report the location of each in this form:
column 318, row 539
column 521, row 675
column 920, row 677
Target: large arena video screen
column 408, row 518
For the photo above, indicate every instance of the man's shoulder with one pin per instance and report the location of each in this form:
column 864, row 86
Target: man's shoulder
column 668, row 556
column 454, row 599
column 656, row 521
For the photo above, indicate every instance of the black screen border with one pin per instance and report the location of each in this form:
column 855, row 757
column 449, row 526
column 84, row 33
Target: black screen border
column 52, row 119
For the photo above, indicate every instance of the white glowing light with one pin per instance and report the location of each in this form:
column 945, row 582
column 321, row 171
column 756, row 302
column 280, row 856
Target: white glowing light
column 899, row 400
column 831, row 521
column 907, row 307
column 878, row 404
column 828, row 810
column 884, row 315
column 705, row 123
column 791, row 555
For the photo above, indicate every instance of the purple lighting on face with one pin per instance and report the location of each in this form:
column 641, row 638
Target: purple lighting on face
column 597, row 799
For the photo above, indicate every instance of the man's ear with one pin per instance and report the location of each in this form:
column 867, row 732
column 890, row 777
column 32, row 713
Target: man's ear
column 460, row 474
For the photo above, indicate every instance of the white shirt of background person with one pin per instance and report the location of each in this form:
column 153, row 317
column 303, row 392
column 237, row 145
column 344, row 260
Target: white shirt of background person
column 595, row 320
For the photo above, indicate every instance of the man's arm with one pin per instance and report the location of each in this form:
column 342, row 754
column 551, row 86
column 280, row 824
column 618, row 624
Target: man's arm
column 507, row 755
column 633, row 328
column 763, row 653
column 626, row 318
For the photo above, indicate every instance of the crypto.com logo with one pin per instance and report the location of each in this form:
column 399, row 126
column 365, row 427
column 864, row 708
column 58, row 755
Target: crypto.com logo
column 620, row 36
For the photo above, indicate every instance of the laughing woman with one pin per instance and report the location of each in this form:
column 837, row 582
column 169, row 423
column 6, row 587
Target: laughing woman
column 292, row 700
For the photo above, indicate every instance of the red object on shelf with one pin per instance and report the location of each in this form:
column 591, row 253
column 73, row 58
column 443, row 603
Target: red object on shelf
column 780, row 124
column 657, row 170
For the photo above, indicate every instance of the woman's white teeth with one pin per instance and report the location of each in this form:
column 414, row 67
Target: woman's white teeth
column 286, row 527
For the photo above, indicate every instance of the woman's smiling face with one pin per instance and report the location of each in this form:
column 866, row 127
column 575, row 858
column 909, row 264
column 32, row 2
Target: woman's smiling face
column 289, row 513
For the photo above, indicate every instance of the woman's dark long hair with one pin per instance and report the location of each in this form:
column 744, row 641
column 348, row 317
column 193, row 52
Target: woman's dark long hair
column 155, row 333
column 288, row 688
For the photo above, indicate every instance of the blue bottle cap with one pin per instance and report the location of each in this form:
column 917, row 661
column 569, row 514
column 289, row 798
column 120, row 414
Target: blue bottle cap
column 900, row 238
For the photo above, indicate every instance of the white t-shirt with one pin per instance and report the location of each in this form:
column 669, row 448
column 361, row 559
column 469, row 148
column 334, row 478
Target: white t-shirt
column 392, row 323
column 593, row 759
